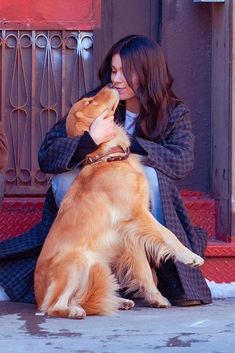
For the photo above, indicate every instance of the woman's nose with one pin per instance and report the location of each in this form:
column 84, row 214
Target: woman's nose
column 116, row 77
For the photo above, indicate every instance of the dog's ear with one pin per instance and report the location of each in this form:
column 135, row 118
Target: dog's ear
column 79, row 115
column 71, row 122
column 70, row 125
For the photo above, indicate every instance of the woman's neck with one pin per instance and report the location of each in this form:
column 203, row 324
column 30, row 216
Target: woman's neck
column 133, row 105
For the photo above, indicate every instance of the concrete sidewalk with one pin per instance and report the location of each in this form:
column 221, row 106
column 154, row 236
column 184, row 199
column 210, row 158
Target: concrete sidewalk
column 205, row 328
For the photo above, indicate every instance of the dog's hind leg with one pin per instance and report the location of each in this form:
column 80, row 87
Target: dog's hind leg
column 100, row 296
column 125, row 304
column 58, row 300
column 66, row 307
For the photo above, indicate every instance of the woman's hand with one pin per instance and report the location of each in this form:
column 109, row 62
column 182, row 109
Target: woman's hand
column 103, row 128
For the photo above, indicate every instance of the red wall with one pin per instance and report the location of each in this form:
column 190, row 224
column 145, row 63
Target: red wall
column 50, row 14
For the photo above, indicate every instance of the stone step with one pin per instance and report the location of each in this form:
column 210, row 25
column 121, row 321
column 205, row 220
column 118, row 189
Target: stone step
column 202, row 210
column 219, row 264
column 19, row 215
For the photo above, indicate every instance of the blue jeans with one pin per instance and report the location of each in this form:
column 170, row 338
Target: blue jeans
column 61, row 183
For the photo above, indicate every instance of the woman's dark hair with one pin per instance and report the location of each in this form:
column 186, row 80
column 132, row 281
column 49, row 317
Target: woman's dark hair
column 145, row 57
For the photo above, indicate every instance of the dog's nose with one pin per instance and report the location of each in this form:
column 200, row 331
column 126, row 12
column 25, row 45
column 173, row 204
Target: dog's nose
column 109, row 85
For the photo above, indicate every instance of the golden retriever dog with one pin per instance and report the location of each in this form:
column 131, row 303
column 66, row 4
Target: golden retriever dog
column 104, row 234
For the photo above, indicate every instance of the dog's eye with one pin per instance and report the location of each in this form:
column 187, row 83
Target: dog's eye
column 88, row 102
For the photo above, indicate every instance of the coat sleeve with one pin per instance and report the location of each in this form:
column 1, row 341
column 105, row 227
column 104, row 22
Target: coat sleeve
column 59, row 153
column 174, row 155
column 3, row 148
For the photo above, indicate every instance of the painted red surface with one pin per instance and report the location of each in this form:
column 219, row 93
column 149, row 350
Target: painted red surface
column 19, row 215
column 50, row 14
column 220, row 262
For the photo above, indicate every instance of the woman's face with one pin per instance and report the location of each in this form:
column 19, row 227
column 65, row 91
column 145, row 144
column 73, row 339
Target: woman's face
column 126, row 93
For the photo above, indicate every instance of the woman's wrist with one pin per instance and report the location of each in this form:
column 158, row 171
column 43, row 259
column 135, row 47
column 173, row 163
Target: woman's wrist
column 85, row 146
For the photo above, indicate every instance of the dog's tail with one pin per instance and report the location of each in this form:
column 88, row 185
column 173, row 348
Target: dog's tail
column 100, row 297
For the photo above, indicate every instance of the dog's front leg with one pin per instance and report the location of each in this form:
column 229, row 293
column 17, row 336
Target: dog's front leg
column 160, row 242
column 135, row 275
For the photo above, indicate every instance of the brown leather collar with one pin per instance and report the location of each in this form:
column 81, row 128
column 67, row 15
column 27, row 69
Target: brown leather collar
column 115, row 153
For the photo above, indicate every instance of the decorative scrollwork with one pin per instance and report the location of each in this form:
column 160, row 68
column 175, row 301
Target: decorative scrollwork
column 43, row 74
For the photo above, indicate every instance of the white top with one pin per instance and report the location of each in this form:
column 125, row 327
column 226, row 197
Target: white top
column 130, row 121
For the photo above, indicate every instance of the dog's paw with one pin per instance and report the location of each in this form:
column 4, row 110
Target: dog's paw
column 194, row 260
column 125, row 304
column 76, row 312
column 156, row 300
column 189, row 258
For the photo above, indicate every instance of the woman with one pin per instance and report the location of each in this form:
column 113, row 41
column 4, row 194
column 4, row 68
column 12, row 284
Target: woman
column 160, row 129
column 3, row 161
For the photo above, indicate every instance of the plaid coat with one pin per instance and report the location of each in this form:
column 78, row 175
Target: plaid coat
column 172, row 158
column 3, row 161
column 3, row 148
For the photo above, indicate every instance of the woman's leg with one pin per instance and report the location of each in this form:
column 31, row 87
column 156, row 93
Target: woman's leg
column 155, row 195
column 61, row 183
column 3, row 295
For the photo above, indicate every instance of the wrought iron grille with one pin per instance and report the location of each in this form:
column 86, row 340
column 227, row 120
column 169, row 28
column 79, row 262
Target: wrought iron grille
column 42, row 74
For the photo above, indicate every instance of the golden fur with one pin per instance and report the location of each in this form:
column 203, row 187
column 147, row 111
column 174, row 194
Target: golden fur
column 104, row 232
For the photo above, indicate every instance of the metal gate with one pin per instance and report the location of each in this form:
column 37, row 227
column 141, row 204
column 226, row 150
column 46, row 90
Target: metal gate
column 42, row 74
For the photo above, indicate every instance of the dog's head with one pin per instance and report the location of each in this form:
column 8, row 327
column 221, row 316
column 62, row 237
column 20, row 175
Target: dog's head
column 85, row 111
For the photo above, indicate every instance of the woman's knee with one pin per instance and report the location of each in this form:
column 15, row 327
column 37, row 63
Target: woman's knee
column 155, row 194
column 61, row 183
